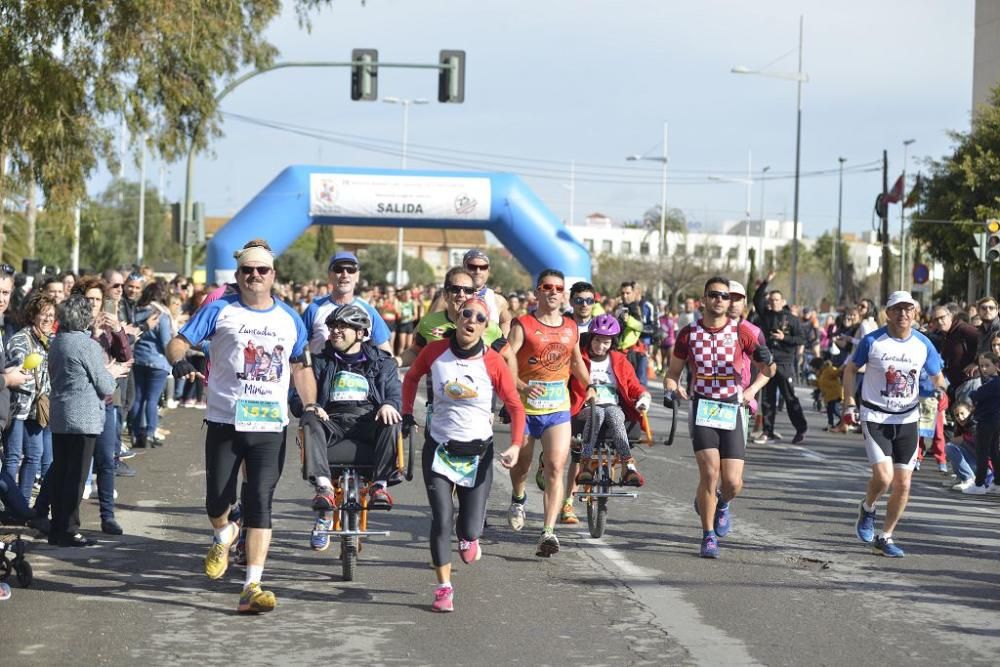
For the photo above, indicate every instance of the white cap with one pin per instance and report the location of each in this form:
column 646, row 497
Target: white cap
column 899, row 297
column 737, row 288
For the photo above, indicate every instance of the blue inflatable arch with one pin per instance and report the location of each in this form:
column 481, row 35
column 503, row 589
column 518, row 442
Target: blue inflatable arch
column 303, row 195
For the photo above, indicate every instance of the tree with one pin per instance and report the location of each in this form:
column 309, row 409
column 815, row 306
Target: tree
column 379, row 259
column 506, row 273
column 299, row 262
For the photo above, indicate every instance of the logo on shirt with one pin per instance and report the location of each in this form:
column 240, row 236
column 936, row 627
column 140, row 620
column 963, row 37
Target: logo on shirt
column 899, row 384
column 459, row 390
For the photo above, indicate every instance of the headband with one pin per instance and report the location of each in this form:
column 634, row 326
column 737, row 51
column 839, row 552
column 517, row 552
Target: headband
column 254, row 254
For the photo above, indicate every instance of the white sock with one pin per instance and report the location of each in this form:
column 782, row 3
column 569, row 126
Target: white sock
column 254, row 573
column 886, row 536
column 227, row 533
column 446, row 584
column 323, row 483
column 868, row 508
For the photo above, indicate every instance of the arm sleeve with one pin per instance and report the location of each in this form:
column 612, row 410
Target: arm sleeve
column 163, row 328
column 760, row 298
column 411, row 381
column 629, row 383
column 860, row 356
column 309, row 315
column 503, row 385
column 392, row 389
column 118, row 345
column 796, row 337
column 681, row 344
column 93, row 360
column 750, row 340
column 202, row 324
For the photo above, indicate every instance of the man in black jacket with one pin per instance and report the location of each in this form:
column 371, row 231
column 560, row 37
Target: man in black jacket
column 784, row 335
column 358, row 397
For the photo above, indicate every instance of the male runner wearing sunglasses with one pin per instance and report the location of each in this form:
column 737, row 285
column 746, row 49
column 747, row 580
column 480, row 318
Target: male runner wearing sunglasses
column 343, row 276
column 583, row 305
column 477, row 264
column 546, row 345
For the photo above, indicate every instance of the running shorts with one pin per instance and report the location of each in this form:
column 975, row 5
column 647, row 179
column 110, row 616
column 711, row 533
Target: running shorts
column 535, row 425
column 891, row 441
column 731, row 444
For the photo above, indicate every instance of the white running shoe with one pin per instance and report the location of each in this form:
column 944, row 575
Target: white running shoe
column 974, row 490
column 962, row 486
column 515, row 516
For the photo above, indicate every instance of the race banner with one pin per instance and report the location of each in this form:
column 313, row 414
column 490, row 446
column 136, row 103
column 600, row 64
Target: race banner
column 414, row 197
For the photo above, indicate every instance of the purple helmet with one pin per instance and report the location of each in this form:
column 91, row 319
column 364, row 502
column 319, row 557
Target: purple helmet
column 605, row 325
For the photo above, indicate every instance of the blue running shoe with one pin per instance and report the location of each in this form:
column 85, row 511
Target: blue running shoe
column 319, row 540
column 722, row 523
column 709, row 547
column 884, row 546
column 865, row 527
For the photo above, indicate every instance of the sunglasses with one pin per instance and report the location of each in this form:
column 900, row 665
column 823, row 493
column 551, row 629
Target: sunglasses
column 344, row 268
column 116, row 286
column 469, row 312
column 715, row 294
column 8, row 269
column 581, row 301
column 260, row 270
column 477, row 267
column 456, row 290
column 552, row 287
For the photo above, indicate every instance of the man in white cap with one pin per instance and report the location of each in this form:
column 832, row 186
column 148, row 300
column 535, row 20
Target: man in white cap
column 890, row 409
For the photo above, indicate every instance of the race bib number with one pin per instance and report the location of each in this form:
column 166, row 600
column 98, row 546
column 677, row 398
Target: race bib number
column 715, row 414
column 258, row 416
column 606, row 394
column 555, row 395
column 460, row 470
column 349, row 386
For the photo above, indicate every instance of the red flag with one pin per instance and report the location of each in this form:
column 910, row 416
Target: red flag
column 896, row 194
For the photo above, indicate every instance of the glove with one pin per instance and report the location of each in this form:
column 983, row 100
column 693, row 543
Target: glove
column 668, row 399
column 183, row 368
column 763, row 355
column 642, row 404
column 850, row 416
column 407, row 426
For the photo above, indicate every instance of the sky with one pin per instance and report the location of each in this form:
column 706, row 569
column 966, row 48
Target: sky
column 553, row 82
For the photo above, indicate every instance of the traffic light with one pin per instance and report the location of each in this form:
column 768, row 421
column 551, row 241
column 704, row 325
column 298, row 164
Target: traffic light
column 451, row 79
column 364, row 74
column 992, row 253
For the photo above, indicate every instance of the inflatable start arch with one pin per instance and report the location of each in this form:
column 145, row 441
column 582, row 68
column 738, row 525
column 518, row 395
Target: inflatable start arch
column 303, row 195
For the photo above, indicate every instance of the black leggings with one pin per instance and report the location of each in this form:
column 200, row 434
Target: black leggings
column 471, row 504
column 264, row 454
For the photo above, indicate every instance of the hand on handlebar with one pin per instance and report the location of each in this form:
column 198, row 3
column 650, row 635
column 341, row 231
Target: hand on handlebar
column 409, row 423
column 319, row 412
column 642, row 405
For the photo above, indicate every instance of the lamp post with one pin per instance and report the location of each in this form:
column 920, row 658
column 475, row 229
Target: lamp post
column 748, row 182
column 663, row 160
column 799, row 77
column 838, row 275
column 760, row 248
column 902, row 220
column 405, row 102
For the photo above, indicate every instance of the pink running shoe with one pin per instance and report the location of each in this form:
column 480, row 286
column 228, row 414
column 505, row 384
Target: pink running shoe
column 469, row 551
column 443, row 599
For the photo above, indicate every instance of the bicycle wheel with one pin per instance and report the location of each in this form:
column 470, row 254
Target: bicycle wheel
column 601, row 520
column 349, row 543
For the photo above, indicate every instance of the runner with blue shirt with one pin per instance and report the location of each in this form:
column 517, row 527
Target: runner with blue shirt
column 258, row 346
column 895, row 355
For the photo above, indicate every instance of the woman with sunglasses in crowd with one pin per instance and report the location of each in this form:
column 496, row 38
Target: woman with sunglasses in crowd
column 458, row 450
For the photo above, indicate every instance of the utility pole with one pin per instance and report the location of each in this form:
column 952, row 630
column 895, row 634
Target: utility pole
column 884, row 286
column 838, row 274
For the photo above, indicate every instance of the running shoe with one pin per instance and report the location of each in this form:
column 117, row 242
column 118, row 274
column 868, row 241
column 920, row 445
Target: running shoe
column 319, row 539
column 540, row 474
column 379, row 498
column 443, row 599
column 633, row 477
column 865, row 526
column 774, row 435
column 253, row 600
column 799, row 437
column 709, row 547
column 515, row 514
column 324, row 500
column 469, row 551
column 886, row 547
column 217, row 560
column 962, row 485
column 761, row 439
column 975, row 490
column 723, row 524
column 548, row 544
column 568, row 516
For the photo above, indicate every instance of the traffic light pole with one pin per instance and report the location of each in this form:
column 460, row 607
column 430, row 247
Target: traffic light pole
column 236, row 83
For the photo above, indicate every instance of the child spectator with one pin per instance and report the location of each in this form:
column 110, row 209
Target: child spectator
column 961, row 450
column 831, row 390
column 987, row 413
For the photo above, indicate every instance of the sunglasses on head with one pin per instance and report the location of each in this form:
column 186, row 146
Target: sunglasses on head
column 8, row 269
column 249, row 270
column 135, row 276
column 469, row 312
column 344, row 268
column 460, row 289
column 715, row 294
column 477, row 267
column 552, row 287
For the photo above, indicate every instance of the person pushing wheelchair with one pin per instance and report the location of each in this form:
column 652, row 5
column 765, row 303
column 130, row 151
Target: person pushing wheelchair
column 357, row 418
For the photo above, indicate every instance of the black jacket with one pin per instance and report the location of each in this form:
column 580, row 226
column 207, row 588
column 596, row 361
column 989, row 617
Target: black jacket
column 384, row 387
column 770, row 320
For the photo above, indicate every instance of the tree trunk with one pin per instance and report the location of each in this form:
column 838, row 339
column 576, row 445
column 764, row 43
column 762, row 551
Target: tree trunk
column 31, row 216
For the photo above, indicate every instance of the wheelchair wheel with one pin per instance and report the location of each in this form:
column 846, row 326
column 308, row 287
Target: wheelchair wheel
column 24, row 573
column 349, row 548
column 597, row 516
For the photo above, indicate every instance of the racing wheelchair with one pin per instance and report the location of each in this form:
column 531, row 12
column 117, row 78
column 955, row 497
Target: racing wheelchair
column 352, row 467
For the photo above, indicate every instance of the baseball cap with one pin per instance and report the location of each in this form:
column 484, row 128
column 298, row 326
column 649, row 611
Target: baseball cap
column 737, row 288
column 899, row 297
column 344, row 256
column 475, row 253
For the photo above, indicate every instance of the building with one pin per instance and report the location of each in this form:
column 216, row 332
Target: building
column 986, row 51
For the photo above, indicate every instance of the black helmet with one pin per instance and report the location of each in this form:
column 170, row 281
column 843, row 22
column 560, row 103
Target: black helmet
column 354, row 316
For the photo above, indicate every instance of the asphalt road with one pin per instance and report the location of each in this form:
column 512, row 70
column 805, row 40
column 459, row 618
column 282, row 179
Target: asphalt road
column 793, row 585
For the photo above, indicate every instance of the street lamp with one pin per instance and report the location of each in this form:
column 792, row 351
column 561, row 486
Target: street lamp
column 663, row 160
column 760, row 248
column 838, row 274
column 902, row 220
column 799, row 77
column 748, row 182
column 406, row 102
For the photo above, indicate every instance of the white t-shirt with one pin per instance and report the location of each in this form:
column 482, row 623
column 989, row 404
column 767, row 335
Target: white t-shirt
column 315, row 321
column 251, row 360
column 603, row 379
column 892, row 379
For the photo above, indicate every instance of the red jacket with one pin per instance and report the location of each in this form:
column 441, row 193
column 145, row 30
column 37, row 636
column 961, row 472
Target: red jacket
column 629, row 388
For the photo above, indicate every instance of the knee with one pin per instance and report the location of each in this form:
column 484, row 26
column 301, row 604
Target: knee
column 731, row 487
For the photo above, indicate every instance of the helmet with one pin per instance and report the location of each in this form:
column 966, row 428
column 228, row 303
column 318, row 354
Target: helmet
column 605, row 325
column 352, row 315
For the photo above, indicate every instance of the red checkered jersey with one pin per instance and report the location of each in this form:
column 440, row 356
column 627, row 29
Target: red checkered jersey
column 716, row 356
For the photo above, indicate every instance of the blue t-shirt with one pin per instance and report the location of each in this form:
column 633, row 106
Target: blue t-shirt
column 315, row 322
column 890, row 392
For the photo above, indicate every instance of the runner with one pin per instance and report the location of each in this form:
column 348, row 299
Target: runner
column 889, row 413
column 477, row 264
column 715, row 349
column 247, row 409
column 546, row 345
column 640, row 313
column 466, row 374
column 409, row 313
column 343, row 275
